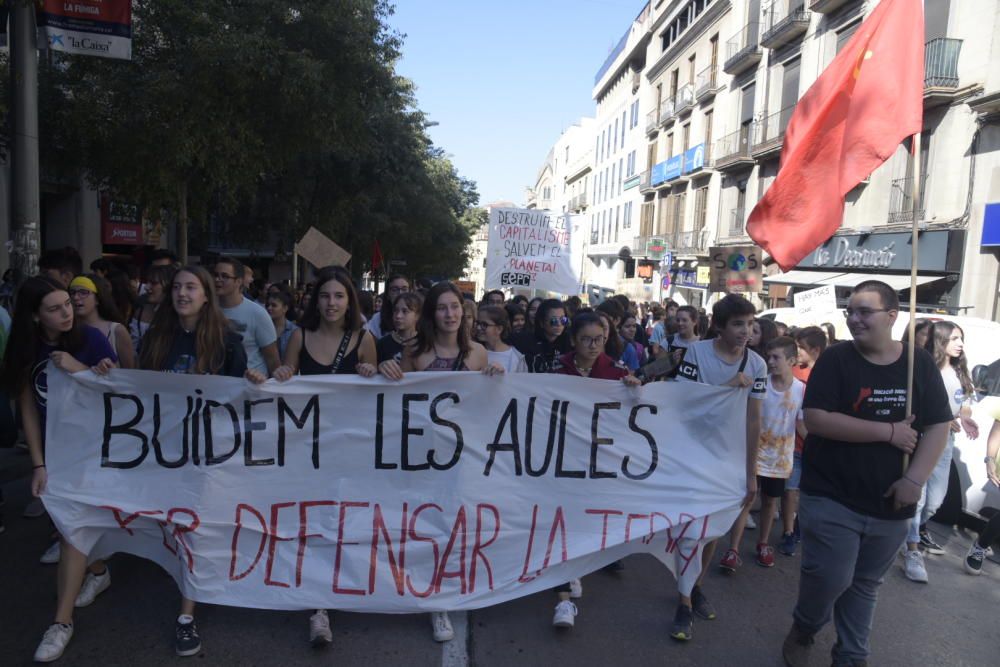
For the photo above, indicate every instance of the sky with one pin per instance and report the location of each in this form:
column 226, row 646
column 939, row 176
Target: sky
column 504, row 78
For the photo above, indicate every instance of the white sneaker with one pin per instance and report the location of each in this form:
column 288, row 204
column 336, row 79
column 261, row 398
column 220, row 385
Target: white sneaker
column 34, row 509
column 443, row 632
column 751, row 524
column 565, row 614
column 575, row 589
column 93, row 585
column 52, row 554
column 913, row 567
column 53, row 642
column 319, row 628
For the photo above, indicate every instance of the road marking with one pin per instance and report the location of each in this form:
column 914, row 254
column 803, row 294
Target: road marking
column 456, row 652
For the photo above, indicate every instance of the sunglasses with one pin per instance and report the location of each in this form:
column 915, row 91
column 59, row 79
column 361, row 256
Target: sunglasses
column 556, row 321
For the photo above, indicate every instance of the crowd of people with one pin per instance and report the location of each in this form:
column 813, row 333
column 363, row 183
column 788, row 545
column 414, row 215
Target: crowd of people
column 827, row 432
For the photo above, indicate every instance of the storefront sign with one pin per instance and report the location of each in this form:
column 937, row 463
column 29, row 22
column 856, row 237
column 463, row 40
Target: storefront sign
column 704, row 275
column 631, row 183
column 121, row 223
column 655, row 247
column 100, row 28
column 939, row 251
column 735, row 269
column 694, row 159
column 644, row 271
column 991, row 225
column 658, row 173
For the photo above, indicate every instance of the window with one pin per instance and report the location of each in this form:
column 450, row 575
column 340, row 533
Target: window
column 700, row 208
column 618, row 211
column 691, row 68
column 567, row 155
column 614, row 141
column 623, row 129
column 687, row 138
column 670, row 146
column 708, row 134
column 621, row 174
column 613, row 180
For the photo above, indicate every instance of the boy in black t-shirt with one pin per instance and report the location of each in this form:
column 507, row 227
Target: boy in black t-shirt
column 857, row 498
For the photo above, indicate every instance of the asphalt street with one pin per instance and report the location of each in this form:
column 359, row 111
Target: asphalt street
column 623, row 619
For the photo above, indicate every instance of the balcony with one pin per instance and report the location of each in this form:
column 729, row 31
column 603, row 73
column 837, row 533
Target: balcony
column 901, row 200
column 667, row 116
column 733, row 151
column 651, row 122
column 828, row 6
column 583, row 200
column 743, row 50
column 644, row 181
column 691, row 241
column 941, row 70
column 769, row 133
column 785, row 21
column 684, row 99
column 707, row 84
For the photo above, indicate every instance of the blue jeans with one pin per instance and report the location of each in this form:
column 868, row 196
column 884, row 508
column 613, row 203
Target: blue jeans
column 844, row 557
column 934, row 492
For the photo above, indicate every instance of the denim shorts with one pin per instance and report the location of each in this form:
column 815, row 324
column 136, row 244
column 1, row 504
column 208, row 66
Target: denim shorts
column 792, row 483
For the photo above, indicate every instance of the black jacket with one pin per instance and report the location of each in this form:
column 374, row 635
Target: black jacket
column 538, row 352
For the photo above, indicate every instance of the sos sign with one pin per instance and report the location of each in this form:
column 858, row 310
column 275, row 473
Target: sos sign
column 735, row 269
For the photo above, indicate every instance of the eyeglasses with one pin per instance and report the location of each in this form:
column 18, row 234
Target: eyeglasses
column 864, row 313
column 556, row 321
column 396, row 290
column 79, row 292
column 482, row 324
column 223, row 276
column 592, row 341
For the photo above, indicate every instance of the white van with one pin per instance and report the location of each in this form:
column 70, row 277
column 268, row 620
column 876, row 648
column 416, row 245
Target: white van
column 970, row 490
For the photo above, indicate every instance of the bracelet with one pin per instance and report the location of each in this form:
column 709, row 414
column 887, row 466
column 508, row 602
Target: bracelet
column 892, row 433
column 39, row 466
column 907, row 478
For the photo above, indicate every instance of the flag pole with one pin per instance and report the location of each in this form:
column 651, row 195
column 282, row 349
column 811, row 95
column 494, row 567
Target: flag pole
column 912, row 326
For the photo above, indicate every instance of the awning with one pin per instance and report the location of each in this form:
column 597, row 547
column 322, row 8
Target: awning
column 895, row 281
column 802, row 277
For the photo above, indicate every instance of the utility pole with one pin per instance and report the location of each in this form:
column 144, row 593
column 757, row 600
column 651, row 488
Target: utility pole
column 25, row 227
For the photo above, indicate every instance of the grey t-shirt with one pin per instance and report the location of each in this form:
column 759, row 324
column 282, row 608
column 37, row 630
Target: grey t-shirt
column 251, row 321
column 702, row 364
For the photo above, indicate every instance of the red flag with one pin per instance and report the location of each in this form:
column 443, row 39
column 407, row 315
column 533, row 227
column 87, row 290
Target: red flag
column 850, row 121
column 377, row 258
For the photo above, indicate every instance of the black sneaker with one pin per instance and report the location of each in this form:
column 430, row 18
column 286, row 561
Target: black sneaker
column 974, row 559
column 701, row 606
column 681, row 631
column 928, row 544
column 797, row 647
column 187, row 642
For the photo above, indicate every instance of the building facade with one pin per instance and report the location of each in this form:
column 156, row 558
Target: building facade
column 691, row 111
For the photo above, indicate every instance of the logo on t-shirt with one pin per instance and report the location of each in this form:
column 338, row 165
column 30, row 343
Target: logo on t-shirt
column 688, row 370
column 759, row 386
column 863, row 395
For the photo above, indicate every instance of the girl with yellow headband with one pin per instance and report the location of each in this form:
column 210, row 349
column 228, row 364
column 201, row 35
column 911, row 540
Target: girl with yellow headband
column 94, row 306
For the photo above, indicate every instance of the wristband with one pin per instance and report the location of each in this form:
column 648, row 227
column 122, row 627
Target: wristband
column 907, row 478
column 892, row 433
column 39, row 466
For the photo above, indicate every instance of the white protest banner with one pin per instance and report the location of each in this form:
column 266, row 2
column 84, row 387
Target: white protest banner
column 819, row 303
column 445, row 491
column 531, row 249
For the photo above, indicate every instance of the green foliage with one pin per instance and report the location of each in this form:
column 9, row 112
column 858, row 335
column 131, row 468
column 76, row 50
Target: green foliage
column 272, row 117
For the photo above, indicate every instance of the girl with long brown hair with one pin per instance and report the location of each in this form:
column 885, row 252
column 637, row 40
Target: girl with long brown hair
column 189, row 334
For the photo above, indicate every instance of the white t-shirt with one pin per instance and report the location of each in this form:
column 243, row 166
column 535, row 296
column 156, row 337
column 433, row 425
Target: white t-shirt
column 702, row 364
column 952, row 385
column 779, row 413
column 252, row 322
column 375, row 325
column 511, row 360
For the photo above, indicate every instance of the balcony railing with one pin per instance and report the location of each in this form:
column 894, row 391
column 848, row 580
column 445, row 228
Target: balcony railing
column 691, row 241
column 582, row 200
column 769, row 133
column 651, row 122
column 743, row 50
column 706, row 85
column 737, row 222
column 901, row 200
column 828, row 6
column 733, row 149
column 667, row 112
column 684, row 99
column 593, row 237
column 644, row 180
column 784, row 21
column 941, row 63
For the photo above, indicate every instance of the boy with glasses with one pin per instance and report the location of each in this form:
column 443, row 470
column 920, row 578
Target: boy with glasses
column 857, row 499
column 248, row 318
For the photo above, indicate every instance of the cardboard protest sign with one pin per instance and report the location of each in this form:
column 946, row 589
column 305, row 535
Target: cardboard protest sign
column 530, row 249
column 735, row 269
column 819, row 304
column 317, row 249
column 444, row 491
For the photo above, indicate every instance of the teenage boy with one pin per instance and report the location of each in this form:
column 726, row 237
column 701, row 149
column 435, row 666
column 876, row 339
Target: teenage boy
column 724, row 361
column 857, row 498
column 250, row 319
column 812, row 342
column 781, row 417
